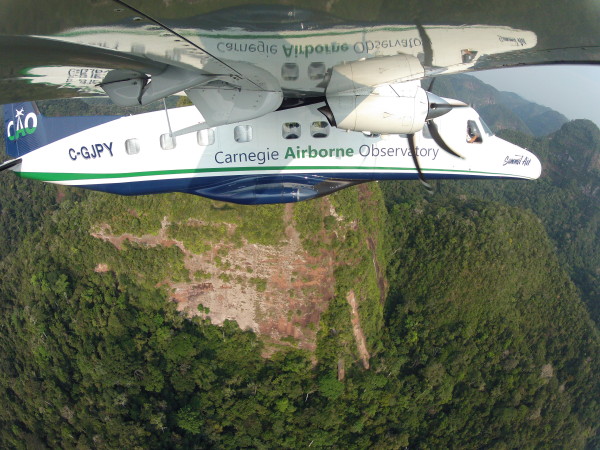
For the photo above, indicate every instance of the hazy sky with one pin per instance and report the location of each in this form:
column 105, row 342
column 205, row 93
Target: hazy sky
column 571, row 90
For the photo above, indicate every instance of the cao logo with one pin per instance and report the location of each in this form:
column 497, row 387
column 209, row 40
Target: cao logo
column 24, row 125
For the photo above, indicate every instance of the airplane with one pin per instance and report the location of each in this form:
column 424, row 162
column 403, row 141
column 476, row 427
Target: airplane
column 284, row 156
column 252, row 73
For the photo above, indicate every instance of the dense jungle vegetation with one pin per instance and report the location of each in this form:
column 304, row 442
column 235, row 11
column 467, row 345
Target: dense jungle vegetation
column 483, row 339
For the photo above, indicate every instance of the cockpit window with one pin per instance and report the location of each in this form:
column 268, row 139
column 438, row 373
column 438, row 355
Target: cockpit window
column 290, row 130
column 486, row 129
column 473, row 133
column 468, row 55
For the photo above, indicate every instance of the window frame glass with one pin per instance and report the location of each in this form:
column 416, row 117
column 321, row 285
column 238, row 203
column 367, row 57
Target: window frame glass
column 242, row 133
column 132, row 146
column 205, row 137
column 473, row 133
column 319, row 129
column 291, row 130
column 167, row 141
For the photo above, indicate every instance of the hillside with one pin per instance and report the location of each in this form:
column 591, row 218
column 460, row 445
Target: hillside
column 541, row 120
column 90, row 306
column 566, row 199
column 501, row 110
column 379, row 316
column 486, row 319
column 94, row 353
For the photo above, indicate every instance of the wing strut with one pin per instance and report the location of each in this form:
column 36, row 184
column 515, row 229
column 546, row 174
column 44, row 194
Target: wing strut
column 8, row 164
column 168, row 120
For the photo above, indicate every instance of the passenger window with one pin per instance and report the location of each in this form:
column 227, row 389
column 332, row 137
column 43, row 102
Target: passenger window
column 206, row 137
column 242, row 133
column 290, row 130
column 290, row 71
column 473, row 133
column 316, row 71
column 167, row 142
column 319, row 129
column 132, row 146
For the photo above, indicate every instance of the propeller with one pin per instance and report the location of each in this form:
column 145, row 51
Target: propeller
column 411, row 144
column 437, row 107
column 435, row 134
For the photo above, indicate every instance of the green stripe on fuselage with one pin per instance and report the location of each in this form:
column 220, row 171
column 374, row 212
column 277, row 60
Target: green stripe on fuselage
column 57, row 177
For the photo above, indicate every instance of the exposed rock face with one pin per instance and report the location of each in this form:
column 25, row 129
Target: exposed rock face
column 278, row 290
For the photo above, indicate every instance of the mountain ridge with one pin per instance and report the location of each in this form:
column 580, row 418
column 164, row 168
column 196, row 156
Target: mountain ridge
column 509, row 111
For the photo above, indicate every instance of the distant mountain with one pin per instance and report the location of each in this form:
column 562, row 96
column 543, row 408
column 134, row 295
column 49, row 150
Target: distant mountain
column 500, row 117
column 576, row 148
column 541, row 120
column 501, row 110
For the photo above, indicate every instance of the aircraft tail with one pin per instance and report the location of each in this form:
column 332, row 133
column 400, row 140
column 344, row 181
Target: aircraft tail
column 24, row 129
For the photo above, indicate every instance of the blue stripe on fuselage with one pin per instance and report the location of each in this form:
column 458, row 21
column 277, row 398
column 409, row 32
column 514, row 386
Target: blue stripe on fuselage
column 252, row 189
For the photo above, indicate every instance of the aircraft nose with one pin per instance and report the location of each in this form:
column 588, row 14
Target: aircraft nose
column 535, row 167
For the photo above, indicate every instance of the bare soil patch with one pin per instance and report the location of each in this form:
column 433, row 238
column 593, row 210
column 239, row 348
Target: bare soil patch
column 101, row 268
column 359, row 336
column 277, row 291
column 104, row 232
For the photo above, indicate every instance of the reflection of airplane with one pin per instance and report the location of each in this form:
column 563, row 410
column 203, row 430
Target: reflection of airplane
column 284, row 156
column 300, row 62
column 248, row 67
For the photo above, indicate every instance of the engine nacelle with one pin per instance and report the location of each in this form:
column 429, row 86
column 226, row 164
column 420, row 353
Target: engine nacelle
column 380, row 95
column 393, row 109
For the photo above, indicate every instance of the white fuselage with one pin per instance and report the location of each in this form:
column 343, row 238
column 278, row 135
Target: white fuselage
column 135, row 155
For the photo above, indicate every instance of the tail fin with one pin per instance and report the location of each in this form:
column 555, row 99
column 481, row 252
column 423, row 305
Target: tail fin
column 24, row 129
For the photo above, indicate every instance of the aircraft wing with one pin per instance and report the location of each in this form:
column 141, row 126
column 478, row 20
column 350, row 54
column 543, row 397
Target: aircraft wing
column 69, row 55
column 249, row 57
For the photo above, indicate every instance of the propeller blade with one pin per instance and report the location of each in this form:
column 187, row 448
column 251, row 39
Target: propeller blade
column 452, row 103
column 430, row 85
column 326, row 111
column 439, row 106
column 411, row 143
column 435, row 134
